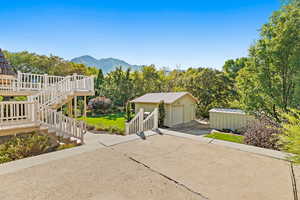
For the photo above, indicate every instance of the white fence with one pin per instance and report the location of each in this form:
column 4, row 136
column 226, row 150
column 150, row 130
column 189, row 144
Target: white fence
column 17, row 111
column 138, row 124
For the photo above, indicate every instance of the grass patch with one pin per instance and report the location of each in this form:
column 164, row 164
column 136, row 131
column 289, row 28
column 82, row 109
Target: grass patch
column 227, row 137
column 114, row 123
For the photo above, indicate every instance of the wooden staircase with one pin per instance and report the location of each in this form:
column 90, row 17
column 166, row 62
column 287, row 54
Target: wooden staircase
column 47, row 94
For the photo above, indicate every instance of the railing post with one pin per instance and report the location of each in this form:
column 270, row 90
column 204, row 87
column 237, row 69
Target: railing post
column 127, row 128
column 45, row 80
column 155, row 119
column 19, row 80
column 75, row 80
column 141, row 120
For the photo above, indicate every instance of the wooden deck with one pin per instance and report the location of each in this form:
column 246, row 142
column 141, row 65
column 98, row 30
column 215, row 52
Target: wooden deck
column 18, row 127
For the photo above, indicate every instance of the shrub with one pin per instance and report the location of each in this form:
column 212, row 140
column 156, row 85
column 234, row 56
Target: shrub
column 263, row 132
column 128, row 112
column 65, row 146
column 100, row 104
column 290, row 138
column 24, row 146
column 161, row 114
column 90, row 127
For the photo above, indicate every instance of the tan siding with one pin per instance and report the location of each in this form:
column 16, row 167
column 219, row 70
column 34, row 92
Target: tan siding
column 219, row 120
column 186, row 101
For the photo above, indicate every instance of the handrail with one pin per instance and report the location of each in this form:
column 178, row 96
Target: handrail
column 138, row 124
column 17, row 111
column 51, row 90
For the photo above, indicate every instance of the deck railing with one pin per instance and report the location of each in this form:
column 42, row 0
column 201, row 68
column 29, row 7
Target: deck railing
column 51, row 90
column 17, row 111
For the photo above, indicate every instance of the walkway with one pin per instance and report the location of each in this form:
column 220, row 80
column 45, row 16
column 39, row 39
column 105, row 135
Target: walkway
column 160, row 167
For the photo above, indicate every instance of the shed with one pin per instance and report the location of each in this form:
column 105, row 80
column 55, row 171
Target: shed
column 180, row 106
column 233, row 119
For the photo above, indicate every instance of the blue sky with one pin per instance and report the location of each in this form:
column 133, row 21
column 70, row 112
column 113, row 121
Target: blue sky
column 185, row 33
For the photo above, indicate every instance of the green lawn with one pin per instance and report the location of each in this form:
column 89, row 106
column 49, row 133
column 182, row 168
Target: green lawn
column 227, row 137
column 106, row 121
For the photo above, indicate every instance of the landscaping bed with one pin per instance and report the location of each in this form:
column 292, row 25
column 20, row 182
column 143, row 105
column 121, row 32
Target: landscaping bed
column 112, row 123
column 28, row 145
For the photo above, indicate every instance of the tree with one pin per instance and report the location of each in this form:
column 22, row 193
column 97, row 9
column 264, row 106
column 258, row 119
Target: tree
column 290, row 139
column 269, row 80
column 232, row 67
column 128, row 112
column 211, row 87
column 99, row 83
column 161, row 114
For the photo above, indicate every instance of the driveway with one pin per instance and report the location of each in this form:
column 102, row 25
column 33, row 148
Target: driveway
column 160, row 167
column 194, row 127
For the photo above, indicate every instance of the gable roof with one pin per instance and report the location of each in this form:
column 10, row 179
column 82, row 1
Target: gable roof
column 167, row 97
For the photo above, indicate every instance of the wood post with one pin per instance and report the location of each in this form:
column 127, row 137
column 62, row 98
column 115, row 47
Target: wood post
column 84, row 106
column 75, row 107
column 141, row 119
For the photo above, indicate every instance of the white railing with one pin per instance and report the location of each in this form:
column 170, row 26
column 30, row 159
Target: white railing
column 28, row 81
column 17, row 111
column 138, row 124
column 51, row 90
column 151, row 122
column 8, row 83
column 64, row 126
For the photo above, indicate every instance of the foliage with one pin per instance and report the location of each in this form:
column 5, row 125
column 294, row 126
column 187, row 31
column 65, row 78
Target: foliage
column 211, row 87
column 290, row 139
column 99, row 83
column 232, row 67
column 100, row 104
column 118, row 86
column 263, row 132
column 24, row 146
column 128, row 111
column 226, row 136
column 161, row 114
column 269, row 81
column 40, row 64
column 66, row 146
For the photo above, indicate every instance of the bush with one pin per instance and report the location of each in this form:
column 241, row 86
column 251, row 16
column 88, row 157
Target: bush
column 66, row 146
column 24, row 146
column 290, row 138
column 128, row 112
column 90, row 127
column 100, row 104
column 161, row 114
column 263, row 132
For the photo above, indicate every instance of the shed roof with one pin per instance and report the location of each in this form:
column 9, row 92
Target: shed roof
column 5, row 67
column 167, row 97
column 227, row 110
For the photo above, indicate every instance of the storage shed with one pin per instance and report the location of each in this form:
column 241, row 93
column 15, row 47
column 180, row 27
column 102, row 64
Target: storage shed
column 233, row 119
column 180, row 106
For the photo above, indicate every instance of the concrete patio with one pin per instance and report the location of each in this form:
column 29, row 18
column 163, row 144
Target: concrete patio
column 163, row 167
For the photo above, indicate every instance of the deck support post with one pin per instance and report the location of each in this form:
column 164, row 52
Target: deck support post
column 75, row 107
column 84, row 106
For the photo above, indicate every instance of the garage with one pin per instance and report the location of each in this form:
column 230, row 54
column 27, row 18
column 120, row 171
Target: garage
column 180, row 106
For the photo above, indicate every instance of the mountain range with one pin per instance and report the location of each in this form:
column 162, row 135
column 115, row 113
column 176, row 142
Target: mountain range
column 106, row 64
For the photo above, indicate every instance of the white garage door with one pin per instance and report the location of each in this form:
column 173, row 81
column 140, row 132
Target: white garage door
column 177, row 115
